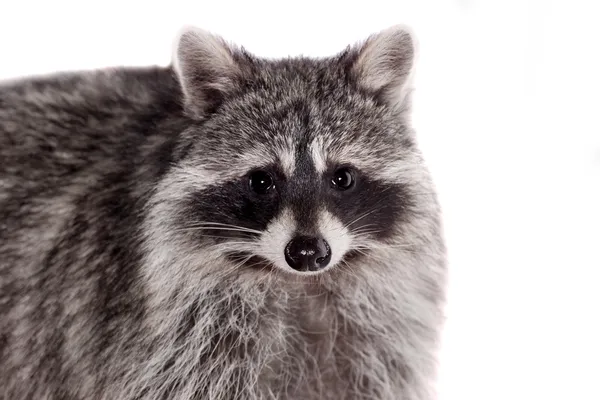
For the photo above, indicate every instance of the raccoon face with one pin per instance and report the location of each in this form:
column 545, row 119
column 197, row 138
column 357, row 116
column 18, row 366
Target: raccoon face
column 297, row 165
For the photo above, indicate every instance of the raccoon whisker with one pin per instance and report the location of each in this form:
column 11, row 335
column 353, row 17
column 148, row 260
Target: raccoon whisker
column 345, row 267
column 231, row 249
column 361, row 249
column 271, row 254
column 371, row 256
column 230, row 243
column 218, row 224
column 364, row 227
column 262, row 269
column 241, row 261
column 221, row 237
column 362, row 216
column 404, row 247
column 422, row 193
column 230, row 270
column 364, row 236
column 208, row 228
column 364, row 232
column 380, row 246
column 221, row 224
column 243, row 258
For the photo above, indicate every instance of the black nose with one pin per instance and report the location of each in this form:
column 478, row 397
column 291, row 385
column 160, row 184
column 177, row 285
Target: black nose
column 307, row 253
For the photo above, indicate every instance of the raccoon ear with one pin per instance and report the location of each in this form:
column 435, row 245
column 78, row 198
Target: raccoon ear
column 207, row 69
column 383, row 64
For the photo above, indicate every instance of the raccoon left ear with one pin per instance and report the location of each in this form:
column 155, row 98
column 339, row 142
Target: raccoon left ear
column 383, row 64
column 207, row 67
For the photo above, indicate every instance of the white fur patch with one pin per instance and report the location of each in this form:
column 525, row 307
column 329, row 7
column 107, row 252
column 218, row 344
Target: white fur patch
column 319, row 155
column 336, row 234
column 287, row 157
column 279, row 232
column 272, row 243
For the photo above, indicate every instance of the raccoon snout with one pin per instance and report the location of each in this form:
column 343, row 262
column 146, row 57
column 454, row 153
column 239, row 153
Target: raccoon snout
column 305, row 253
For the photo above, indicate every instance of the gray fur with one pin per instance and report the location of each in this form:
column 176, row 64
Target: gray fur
column 105, row 293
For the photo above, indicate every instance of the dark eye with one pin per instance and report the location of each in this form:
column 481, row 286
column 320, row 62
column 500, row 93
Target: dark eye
column 342, row 179
column 261, row 182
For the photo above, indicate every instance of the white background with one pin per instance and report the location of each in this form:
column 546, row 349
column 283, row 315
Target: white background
column 507, row 107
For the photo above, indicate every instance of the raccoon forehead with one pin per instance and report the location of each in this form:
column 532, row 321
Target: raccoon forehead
column 234, row 158
column 386, row 160
column 261, row 129
column 380, row 157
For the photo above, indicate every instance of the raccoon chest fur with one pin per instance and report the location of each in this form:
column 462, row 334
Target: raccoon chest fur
column 277, row 345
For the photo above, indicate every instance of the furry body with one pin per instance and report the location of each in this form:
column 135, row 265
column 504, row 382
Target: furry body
column 107, row 290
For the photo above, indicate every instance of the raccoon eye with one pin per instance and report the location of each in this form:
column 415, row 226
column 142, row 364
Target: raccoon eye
column 261, row 182
column 342, row 179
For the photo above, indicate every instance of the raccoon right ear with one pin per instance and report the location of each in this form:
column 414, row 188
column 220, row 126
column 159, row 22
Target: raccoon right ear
column 383, row 64
column 207, row 67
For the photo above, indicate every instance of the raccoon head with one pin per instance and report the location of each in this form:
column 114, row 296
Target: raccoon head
column 297, row 165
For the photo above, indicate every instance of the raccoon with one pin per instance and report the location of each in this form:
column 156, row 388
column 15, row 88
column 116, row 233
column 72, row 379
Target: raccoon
column 224, row 227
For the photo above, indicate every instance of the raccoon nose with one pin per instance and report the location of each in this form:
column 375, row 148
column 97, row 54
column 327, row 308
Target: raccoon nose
column 305, row 253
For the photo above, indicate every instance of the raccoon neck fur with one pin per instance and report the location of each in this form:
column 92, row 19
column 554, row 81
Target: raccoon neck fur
column 285, row 339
